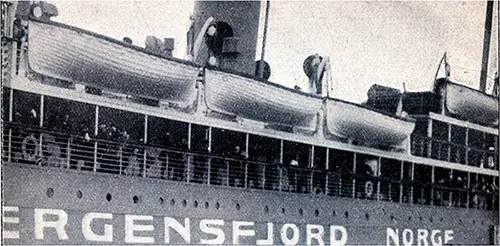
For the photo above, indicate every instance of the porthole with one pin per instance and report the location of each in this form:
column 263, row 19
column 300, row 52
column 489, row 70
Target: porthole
column 161, row 200
column 79, row 194
column 282, row 210
column 301, row 212
column 217, row 205
column 184, row 203
column 346, row 214
column 135, row 199
column 266, row 209
column 206, row 204
column 316, row 213
column 195, row 204
column 172, row 202
column 50, row 192
column 367, row 216
column 334, row 213
column 108, row 197
column 409, row 217
column 237, row 206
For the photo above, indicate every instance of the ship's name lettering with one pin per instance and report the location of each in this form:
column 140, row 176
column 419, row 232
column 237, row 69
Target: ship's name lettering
column 139, row 229
column 420, row 237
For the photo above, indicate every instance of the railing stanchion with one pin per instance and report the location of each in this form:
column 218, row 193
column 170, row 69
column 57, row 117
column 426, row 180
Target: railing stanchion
column 227, row 173
column 95, row 156
column 280, row 179
column 246, row 175
column 40, row 150
column 327, row 190
column 144, row 162
column 263, row 176
column 188, row 167
column 209, row 165
column 310, row 184
column 9, row 154
column 68, row 153
column 120, row 161
column 378, row 190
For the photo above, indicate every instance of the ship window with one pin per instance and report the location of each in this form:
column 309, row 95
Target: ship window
column 120, row 126
column 108, row 197
column 319, row 167
column 419, row 138
column 167, row 133
column 422, row 184
column 367, row 172
column 199, row 138
column 491, row 146
column 459, row 194
column 296, row 161
column 79, row 194
column 26, row 108
column 228, row 143
column 340, row 176
column 296, row 154
column 265, row 154
column 440, row 130
column 68, row 116
column 440, row 144
column 442, row 182
column 490, row 192
column 458, row 144
column 407, row 186
column 5, row 103
column 391, row 175
column 264, row 149
column 50, row 192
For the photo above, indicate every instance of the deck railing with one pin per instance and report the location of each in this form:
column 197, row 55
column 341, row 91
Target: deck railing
column 453, row 152
column 35, row 146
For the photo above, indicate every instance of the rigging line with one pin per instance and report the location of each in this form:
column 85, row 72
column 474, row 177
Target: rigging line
column 264, row 39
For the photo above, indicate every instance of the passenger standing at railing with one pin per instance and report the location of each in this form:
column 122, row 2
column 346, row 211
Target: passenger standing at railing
column 237, row 169
column 133, row 168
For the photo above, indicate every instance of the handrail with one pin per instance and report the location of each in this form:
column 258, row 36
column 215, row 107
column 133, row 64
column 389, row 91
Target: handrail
column 43, row 147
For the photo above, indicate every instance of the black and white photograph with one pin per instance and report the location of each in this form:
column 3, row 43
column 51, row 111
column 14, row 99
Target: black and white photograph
column 266, row 122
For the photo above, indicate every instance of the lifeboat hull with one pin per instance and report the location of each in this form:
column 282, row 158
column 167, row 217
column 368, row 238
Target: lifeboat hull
column 467, row 103
column 261, row 101
column 71, row 54
column 355, row 122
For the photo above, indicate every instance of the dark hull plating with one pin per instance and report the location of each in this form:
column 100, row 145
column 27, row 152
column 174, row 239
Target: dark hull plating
column 31, row 187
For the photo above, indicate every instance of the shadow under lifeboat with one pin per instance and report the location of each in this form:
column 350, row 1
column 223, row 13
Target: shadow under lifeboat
column 72, row 54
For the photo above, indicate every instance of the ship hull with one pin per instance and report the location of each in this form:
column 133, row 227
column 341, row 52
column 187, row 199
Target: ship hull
column 79, row 56
column 38, row 196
